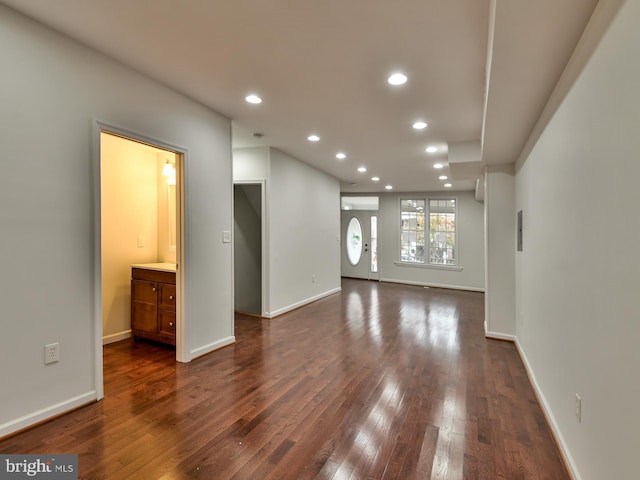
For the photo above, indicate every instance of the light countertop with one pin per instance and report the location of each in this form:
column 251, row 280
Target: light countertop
column 161, row 267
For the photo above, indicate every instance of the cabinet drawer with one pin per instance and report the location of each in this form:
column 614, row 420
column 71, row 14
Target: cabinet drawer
column 144, row 291
column 168, row 297
column 167, row 323
column 153, row 275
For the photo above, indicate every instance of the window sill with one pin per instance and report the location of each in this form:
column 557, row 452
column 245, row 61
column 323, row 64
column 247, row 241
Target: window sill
column 429, row 266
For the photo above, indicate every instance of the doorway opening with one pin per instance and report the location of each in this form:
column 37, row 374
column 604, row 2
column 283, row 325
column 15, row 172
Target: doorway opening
column 248, row 248
column 140, row 233
column 359, row 224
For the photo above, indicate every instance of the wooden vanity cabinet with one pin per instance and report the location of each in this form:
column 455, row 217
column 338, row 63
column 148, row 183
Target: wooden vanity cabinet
column 153, row 305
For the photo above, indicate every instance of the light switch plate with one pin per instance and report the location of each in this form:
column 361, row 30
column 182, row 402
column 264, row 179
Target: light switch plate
column 226, row 236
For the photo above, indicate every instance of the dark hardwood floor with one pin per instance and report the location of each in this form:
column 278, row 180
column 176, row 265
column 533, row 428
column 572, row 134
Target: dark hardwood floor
column 382, row 381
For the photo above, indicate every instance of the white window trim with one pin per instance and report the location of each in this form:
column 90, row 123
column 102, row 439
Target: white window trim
column 432, row 266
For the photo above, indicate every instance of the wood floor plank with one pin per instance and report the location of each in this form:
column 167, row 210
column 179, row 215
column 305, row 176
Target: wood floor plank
column 381, row 381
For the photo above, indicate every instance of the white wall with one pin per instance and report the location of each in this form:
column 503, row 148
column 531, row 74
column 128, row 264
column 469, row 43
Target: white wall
column 500, row 246
column 303, row 212
column 54, row 89
column 470, row 251
column 577, row 285
column 250, row 164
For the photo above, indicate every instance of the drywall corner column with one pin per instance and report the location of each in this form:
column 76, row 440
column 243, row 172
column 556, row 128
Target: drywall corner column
column 303, row 221
column 500, row 245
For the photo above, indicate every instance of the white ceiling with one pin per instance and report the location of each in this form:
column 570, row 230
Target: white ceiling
column 321, row 67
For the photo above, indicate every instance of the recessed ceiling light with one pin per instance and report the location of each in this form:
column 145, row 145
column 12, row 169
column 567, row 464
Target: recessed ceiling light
column 438, row 165
column 253, row 99
column 447, row 185
column 420, row 125
column 362, row 169
column 397, row 78
column 341, row 155
column 442, row 177
column 313, row 138
column 388, row 187
column 375, row 179
column 431, row 149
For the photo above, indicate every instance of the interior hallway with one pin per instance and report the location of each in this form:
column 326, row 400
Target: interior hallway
column 379, row 381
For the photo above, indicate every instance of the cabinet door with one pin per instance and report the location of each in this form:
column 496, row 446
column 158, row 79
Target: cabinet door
column 144, row 316
column 144, row 311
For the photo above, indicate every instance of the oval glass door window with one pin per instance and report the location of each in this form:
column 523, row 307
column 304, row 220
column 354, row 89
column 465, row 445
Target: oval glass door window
column 354, row 241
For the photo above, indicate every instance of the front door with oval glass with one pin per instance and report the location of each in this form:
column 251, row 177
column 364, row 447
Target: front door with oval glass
column 359, row 244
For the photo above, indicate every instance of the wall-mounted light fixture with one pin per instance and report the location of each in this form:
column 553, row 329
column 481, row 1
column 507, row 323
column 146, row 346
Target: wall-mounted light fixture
column 169, row 171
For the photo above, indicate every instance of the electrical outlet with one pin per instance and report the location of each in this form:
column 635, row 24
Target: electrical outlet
column 579, row 408
column 313, row 278
column 140, row 241
column 51, row 353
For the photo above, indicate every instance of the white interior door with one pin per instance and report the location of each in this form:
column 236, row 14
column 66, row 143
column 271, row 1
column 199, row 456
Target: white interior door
column 359, row 244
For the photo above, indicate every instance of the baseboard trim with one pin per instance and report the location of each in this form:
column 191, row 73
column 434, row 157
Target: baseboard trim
column 200, row 351
column 551, row 421
column 116, row 337
column 500, row 336
column 248, row 314
column 48, row 413
column 434, row 285
column 302, row 303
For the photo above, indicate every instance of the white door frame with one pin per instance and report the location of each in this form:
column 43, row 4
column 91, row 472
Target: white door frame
column 181, row 160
